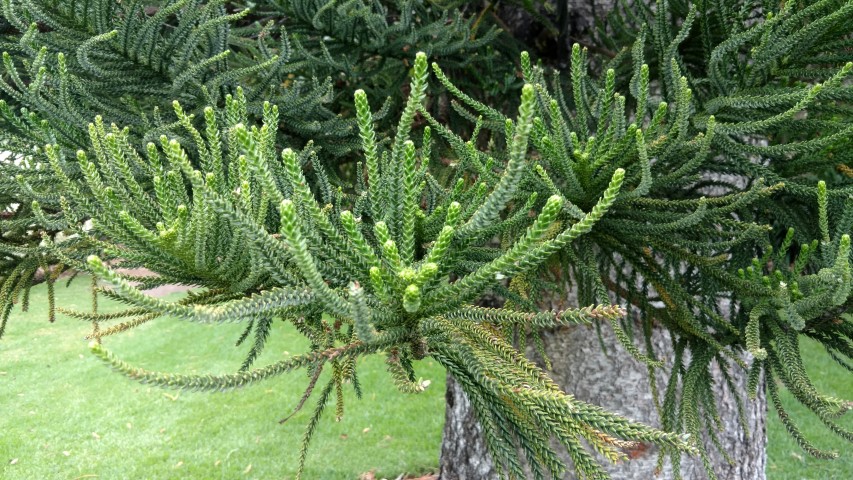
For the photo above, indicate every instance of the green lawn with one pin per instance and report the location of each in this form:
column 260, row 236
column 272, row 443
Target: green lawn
column 65, row 415
column 786, row 460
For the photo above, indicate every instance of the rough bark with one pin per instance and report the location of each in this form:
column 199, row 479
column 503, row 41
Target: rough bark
column 463, row 449
column 620, row 384
column 608, row 377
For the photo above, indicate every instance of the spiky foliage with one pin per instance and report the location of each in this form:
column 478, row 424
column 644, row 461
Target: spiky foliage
column 388, row 265
column 367, row 45
column 125, row 61
column 775, row 78
column 803, row 293
column 718, row 150
column 657, row 171
column 66, row 62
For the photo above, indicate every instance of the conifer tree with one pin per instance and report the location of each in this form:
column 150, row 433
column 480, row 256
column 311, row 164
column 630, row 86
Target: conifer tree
column 706, row 158
column 368, row 45
column 66, row 62
column 757, row 109
column 357, row 273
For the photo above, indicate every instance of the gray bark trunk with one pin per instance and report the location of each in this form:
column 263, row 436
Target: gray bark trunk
column 608, row 377
column 620, row 384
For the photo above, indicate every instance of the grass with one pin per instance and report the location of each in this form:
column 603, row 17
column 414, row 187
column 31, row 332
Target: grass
column 786, row 461
column 65, row 415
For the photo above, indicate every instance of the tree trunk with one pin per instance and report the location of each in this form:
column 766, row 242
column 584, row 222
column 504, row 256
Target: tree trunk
column 608, row 376
column 614, row 380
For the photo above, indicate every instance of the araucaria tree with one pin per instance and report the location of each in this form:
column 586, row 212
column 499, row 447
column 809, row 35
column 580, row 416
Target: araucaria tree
column 696, row 175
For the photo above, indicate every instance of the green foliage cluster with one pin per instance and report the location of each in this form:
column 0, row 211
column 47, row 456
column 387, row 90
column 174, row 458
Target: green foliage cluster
column 724, row 145
column 700, row 175
column 368, row 45
column 65, row 62
column 356, row 272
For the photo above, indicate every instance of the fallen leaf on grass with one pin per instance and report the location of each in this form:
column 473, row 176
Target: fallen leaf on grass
column 366, row 430
column 95, row 434
column 13, row 461
column 344, row 436
column 248, row 469
column 172, row 397
column 179, row 464
column 66, row 453
column 216, row 463
column 367, row 476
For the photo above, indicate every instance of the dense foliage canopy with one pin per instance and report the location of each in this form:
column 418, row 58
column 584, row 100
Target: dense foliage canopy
column 693, row 172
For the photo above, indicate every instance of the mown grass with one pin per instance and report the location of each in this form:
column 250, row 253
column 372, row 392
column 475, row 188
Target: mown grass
column 786, row 460
column 64, row 415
